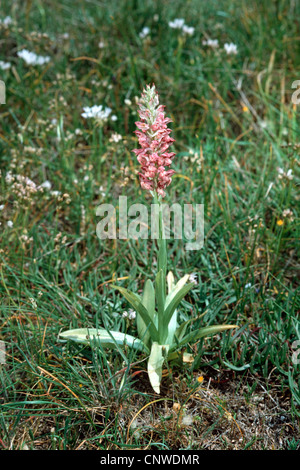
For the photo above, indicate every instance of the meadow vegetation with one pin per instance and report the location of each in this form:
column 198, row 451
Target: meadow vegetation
column 225, row 72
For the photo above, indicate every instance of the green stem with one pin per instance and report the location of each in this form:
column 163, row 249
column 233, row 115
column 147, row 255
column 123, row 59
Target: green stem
column 162, row 270
column 162, row 247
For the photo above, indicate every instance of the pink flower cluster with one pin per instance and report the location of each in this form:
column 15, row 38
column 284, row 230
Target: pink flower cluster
column 154, row 139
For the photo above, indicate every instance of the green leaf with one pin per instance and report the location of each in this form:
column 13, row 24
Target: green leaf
column 172, row 291
column 233, row 367
column 170, row 281
column 148, row 300
column 175, row 301
column 203, row 332
column 155, row 362
column 103, row 337
column 172, row 326
column 136, row 303
column 176, row 288
column 180, row 332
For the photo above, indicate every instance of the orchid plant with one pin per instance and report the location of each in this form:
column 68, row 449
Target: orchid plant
column 160, row 336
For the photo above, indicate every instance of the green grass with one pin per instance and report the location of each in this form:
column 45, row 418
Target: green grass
column 234, row 126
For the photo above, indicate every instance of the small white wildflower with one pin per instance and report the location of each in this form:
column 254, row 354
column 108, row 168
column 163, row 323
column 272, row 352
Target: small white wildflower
column 66, row 198
column 193, row 278
column 101, row 44
column 114, row 117
column 187, row 420
column 96, row 112
column 288, row 213
column 214, row 43
column 55, row 193
column 131, row 314
column 282, row 174
column 1, row 207
column 115, row 137
column 101, row 191
column 45, row 185
column 145, row 32
column 6, row 21
column 9, row 177
column 230, row 48
column 4, row 65
column 189, row 30
column 247, row 286
column 57, row 238
column 31, row 58
column 86, row 178
column 178, row 23
column 10, row 223
column 33, row 302
column 127, row 102
column 263, row 124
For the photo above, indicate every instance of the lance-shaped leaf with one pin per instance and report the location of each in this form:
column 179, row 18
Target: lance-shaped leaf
column 175, row 288
column 203, row 332
column 136, row 303
column 180, row 332
column 106, row 339
column 148, row 300
column 172, row 326
column 170, row 281
column 175, row 301
column 172, row 290
column 160, row 285
column 155, row 362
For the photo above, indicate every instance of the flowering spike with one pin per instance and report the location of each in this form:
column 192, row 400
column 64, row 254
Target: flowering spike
column 154, row 139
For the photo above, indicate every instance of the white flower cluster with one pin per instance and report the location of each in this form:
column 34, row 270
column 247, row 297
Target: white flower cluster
column 130, row 314
column 193, row 278
column 229, row 47
column 287, row 213
column 285, row 175
column 4, row 65
column 179, row 23
column 98, row 112
column 31, row 58
column 115, row 137
column 6, row 21
column 23, row 187
column 145, row 32
column 214, row 43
